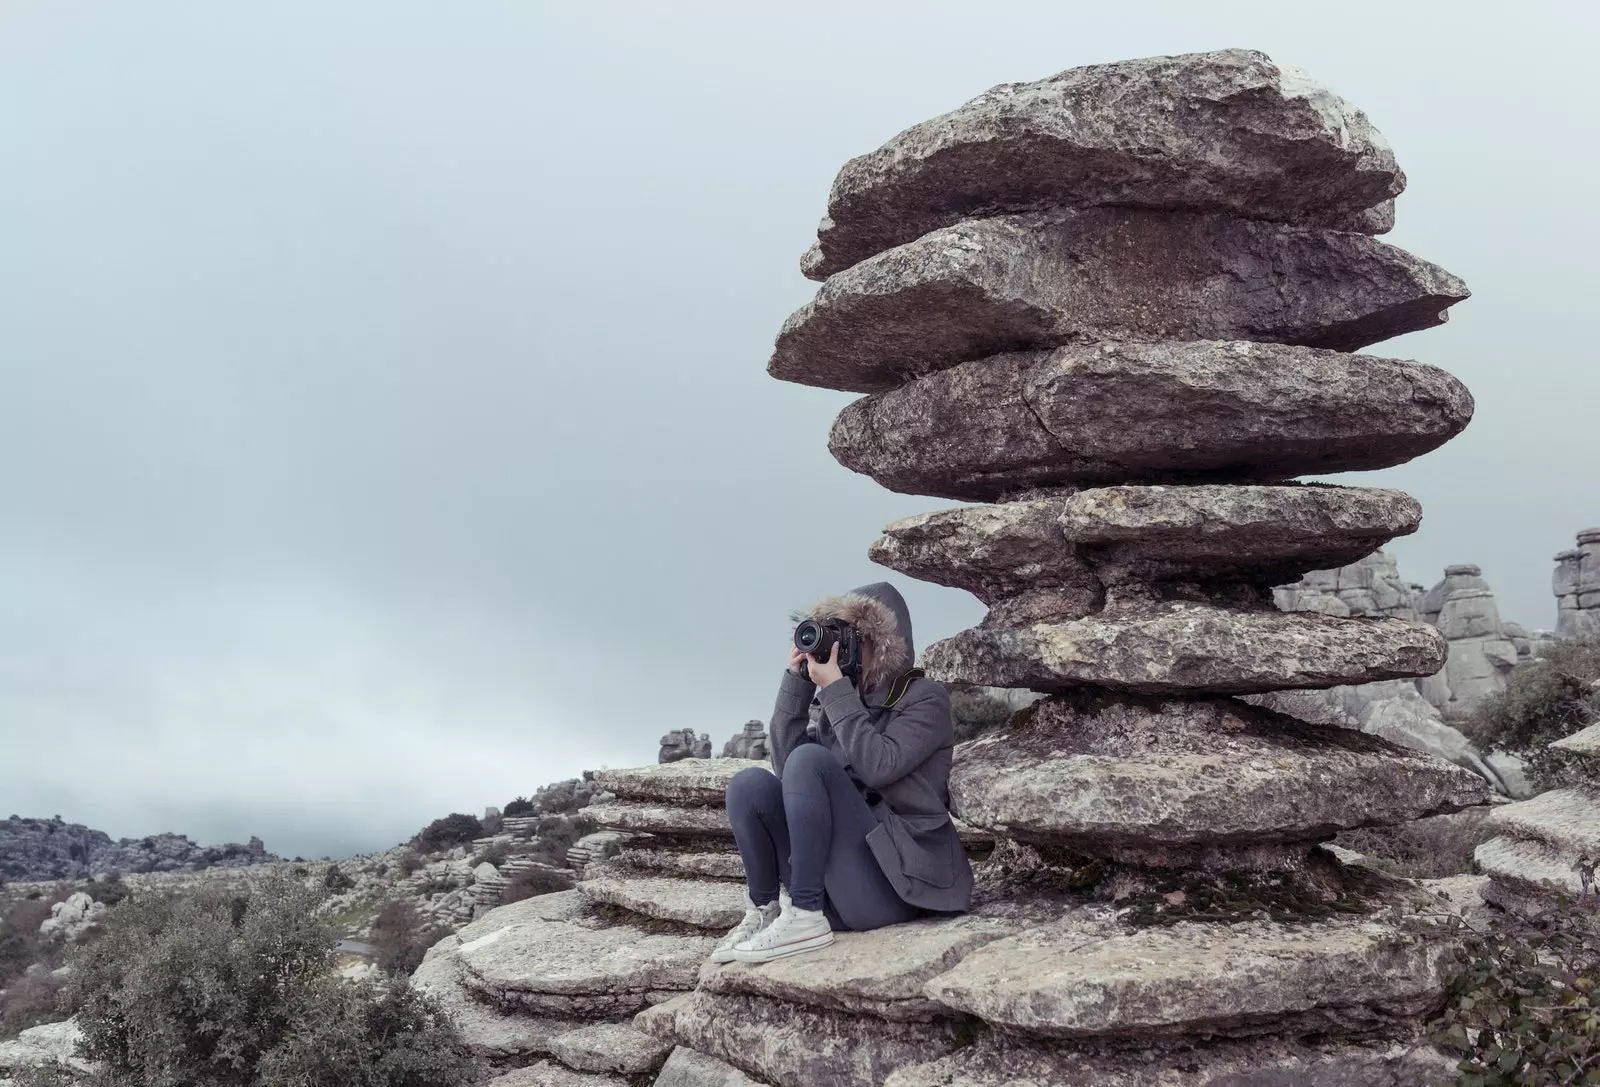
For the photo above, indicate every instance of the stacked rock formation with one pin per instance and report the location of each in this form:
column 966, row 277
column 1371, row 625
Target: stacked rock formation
column 749, row 743
column 1120, row 306
column 683, row 744
column 1577, row 587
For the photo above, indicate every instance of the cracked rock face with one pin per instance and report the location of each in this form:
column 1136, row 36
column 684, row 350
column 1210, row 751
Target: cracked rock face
column 659, row 819
column 1188, row 648
column 1228, row 130
column 703, row 904
column 988, row 286
column 1160, row 781
column 609, row 1047
column 1110, row 413
column 690, row 781
column 1350, row 974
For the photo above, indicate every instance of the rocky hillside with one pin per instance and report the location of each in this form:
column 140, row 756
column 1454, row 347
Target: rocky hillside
column 52, row 849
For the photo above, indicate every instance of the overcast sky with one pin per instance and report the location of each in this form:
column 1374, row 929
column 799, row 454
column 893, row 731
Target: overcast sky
column 385, row 431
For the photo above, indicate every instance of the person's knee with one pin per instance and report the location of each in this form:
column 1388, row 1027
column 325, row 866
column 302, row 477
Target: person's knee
column 754, row 789
column 809, row 761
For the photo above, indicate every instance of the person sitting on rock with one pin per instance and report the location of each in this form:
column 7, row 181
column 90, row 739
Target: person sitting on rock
column 854, row 822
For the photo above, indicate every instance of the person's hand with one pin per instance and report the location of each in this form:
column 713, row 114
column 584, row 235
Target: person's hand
column 824, row 672
column 796, row 659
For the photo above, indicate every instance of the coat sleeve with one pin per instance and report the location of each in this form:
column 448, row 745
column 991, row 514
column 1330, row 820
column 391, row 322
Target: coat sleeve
column 790, row 716
column 918, row 726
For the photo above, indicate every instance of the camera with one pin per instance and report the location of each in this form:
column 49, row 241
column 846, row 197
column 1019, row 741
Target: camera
column 818, row 637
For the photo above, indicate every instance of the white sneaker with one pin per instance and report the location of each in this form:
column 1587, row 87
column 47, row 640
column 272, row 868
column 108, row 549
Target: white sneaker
column 794, row 932
column 756, row 918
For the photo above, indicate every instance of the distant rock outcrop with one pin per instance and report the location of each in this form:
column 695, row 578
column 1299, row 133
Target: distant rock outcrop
column 1577, row 587
column 48, row 849
column 683, row 744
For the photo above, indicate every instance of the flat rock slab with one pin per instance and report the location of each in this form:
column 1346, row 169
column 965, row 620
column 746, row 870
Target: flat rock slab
column 679, row 863
column 609, row 1047
column 701, row 903
column 1153, row 781
column 1189, row 648
column 1333, row 976
column 999, row 1061
column 563, row 969
column 1565, row 819
column 568, row 906
column 986, row 286
column 879, row 973
column 487, row 1031
column 1586, row 741
column 661, row 819
column 1228, row 130
column 550, row 1074
column 688, row 781
column 660, row 1020
column 1119, row 412
column 689, row 1068
column 1075, row 545
column 1528, row 867
column 795, row 1046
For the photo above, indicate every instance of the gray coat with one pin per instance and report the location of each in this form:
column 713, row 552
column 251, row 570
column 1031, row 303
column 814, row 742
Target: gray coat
column 902, row 753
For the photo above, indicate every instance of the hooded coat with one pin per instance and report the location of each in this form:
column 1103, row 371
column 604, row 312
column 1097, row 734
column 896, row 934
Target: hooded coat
column 899, row 755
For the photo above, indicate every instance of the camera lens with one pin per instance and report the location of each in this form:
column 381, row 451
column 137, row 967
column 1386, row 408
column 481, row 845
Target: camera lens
column 807, row 635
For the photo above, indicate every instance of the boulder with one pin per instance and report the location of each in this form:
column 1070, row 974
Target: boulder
column 659, row 819
column 49, row 1043
column 1169, row 781
column 1586, row 742
column 1532, row 870
column 1350, row 974
column 1577, row 587
column 550, row 1074
column 1464, row 575
column 609, row 1047
column 1371, row 586
column 1222, row 131
column 1112, row 413
column 1188, row 648
column 487, row 1031
column 701, row 903
column 877, row 973
column 73, row 919
column 987, row 286
column 1567, row 820
column 690, row 1068
column 697, row 782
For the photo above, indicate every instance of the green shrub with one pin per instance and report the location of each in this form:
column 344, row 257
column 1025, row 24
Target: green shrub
column 534, row 881
column 520, row 806
column 335, row 880
column 30, row 1000
column 1523, row 1009
column 411, row 862
column 447, row 833
column 110, row 890
column 1543, row 701
column 402, row 937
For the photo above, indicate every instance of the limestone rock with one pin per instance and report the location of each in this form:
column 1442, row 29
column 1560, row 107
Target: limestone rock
column 1188, row 648
column 879, row 973
column 609, row 1047
column 987, row 286
column 1464, row 575
column 703, row 904
column 487, row 1031
column 1481, row 659
column 1001, row 1061
column 660, row 819
column 698, row 781
column 1227, row 131
column 749, row 743
column 1334, row 976
column 1529, row 867
column 1164, row 781
column 690, row 1068
column 1586, row 741
column 1369, row 587
column 794, row 1046
column 550, row 1074
column 1111, row 413
column 1567, row 820
column 683, row 744
column 659, row 1020
column 678, row 863
column 46, row 1044
column 1577, row 587
column 73, row 919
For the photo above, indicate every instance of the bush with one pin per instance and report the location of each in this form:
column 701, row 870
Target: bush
column 1543, row 701
column 493, row 824
column 110, row 890
column 534, row 881
column 212, row 991
column 520, row 806
column 30, row 1000
column 402, row 938
column 496, row 854
column 1424, row 848
column 336, row 881
column 1524, row 1007
column 447, row 833
column 411, row 863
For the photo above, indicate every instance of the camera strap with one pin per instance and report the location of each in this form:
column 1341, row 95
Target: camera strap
column 901, row 685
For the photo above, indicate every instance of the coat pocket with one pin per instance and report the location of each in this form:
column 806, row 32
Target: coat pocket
column 925, row 844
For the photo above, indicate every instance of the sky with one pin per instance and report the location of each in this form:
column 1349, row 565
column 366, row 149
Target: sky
column 384, row 424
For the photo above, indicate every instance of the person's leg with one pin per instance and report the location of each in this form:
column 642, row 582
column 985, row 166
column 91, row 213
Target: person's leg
column 755, row 810
column 832, row 865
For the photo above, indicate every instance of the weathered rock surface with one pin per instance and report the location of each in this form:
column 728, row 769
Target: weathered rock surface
column 1586, row 741
column 703, row 904
column 1567, row 820
column 550, row 1074
column 689, row 1068
column 749, row 742
column 73, row 919
column 1349, row 974
column 1110, row 413
column 1074, row 545
column 987, row 286
column 1001, row 1061
column 1227, row 131
column 1528, row 867
column 880, row 973
column 557, row 968
column 488, row 1031
column 52, row 849
column 794, row 1046
column 694, row 781
column 660, row 819
column 678, row 863
column 47, row 1044
column 683, row 744
column 1187, row 648
column 609, row 1047
column 1577, row 587
column 1371, row 586
column 1481, row 658
column 1161, row 781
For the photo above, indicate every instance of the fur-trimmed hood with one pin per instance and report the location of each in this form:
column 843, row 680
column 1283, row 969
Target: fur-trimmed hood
column 879, row 613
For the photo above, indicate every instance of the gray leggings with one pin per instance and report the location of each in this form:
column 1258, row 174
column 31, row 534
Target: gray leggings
column 810, row 831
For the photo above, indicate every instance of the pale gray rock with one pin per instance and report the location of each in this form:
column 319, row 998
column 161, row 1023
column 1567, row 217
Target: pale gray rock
column 987, row 286
column 1167, row 781
column 672, row 862
column 49, row 1043
column 1369, row 587
column 487, row 1031
column 1001, row 1061
column 791, row 1045
column 609, row 1047
column 1463, row 575
column 1567, row 820
column 749, row 743
column 1586, row 742
column 1512, row 771
column 1112, row 413
column 659, row 819
column 1577, row 587
column 567, row 906
column 73, row 919
column 683, row 744
column 696, row 782
column 700, row 903
column 1223, row 131
column 1532, row 870
column 689, row 1068
column 1348, row 974
column 878, row 973
column 550, row 1074
column 1481, row 659
column 659, row 1020
column 1188, row 648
